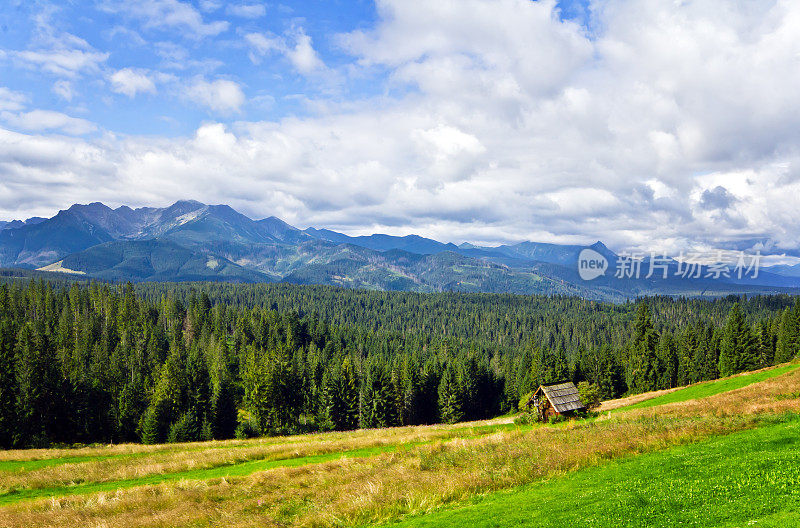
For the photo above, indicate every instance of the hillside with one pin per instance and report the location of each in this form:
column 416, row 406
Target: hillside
column 190, row 240
column 684, row 462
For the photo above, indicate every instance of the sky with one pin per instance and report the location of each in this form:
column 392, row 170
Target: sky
column 662, row 125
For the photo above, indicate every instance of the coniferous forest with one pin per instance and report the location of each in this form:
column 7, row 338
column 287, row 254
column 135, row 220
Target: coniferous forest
column 84, row 363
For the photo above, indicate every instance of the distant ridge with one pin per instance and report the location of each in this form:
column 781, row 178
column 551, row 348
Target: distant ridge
column 193, row 241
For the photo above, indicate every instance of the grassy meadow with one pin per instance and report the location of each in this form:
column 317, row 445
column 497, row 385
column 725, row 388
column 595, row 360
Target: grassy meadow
column 747, row 478
column 711, row 454
column 697, row 390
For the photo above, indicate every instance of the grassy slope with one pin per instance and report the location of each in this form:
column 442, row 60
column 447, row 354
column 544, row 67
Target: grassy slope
column 742, row 479
column 31, row 465
column 235, row 470
column 215, row 472
column 434, row 471
column 710, row 388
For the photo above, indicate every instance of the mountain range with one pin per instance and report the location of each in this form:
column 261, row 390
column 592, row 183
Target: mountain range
column 192, row 241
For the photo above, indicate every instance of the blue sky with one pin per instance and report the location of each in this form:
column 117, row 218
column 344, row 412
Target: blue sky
column 213, row 46
column 645, row 124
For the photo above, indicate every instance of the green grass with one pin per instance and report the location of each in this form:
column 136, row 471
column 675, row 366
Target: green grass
column 20, row 466
column 710, row 388
column 230, row 470
column 31, row 465
column 750, row 478
column 233, row 470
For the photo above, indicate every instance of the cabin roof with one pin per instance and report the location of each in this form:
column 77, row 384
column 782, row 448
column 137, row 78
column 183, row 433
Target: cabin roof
column 563, row 396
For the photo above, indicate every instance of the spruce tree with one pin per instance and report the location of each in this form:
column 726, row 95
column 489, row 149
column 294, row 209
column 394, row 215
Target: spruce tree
column 331, row 415
column 348, row 385
column 667, row 362
column 765, row 345
column 450, row 398
column 788, row 343
column 36, row 394
column 8, row 386
column 382, row 405
column 738, row 348
column 642, row 368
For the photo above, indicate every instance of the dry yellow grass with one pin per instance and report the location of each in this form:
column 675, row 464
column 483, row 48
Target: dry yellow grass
column 381, row 488
column 631, row 400
column 132, row 461
column 135, row 449
column 372, row 489
column 770, row 396
column 609, row 405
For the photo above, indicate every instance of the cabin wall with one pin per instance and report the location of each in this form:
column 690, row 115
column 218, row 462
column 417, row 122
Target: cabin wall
column 546, row 410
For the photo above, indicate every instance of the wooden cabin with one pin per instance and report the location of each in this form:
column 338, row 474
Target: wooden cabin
column 561, row 399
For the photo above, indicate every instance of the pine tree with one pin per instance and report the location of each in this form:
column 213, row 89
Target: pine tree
column 788, row 344
column 8, row 386
column 36, row 394
column 132, row 404
column 548, row 367
column 222, row 415
column 348, row 384
column 611, row 379
column 222, row 412
column 765, row 345
column 738, row 348
column 198, row 395
column 271, row 388
column 642, row 368
column 168, row 399
column 450, row 399
column 667, row 362
column 331, row 415
column 382, row 410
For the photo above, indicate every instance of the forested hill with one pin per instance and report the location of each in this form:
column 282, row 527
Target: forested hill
column 95, row 362
column 495, row 320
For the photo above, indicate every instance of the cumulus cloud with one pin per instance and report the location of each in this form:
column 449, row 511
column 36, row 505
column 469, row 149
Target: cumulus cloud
column 716, row 198
column 47, row 120
column 295, row 45
column 221, row 96
column 129, row 81
column 668, row 126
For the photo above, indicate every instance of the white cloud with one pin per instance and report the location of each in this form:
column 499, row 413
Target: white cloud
column 47, row 120
column 64, row 89
column 11, row 101
column 58, row 52
column 63, row 62
column 129, row 81
column 262, row 44
column 295, row 45
column 672, row 125
column 209, row 5
column 122, row 31
column 247, row 10
column 220, row 96
column 302, row 54
column 168, row 14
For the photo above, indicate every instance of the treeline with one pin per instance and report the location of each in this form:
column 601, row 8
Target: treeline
column 99, row 364
column 103, row 363
column 495, row 320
